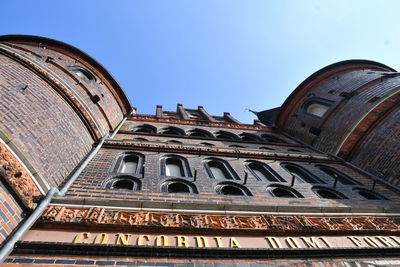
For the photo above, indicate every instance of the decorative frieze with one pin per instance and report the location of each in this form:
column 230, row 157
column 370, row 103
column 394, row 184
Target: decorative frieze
column 214, row 221
column 17, row 177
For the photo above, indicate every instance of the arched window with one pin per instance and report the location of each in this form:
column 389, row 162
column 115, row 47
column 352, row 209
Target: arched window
column 175, row 166
column 232, row 189
column 370, row 195
column 317, row 106
column 250, row 137
column 172, row 131
column 220, row 169
column 272, row 139
column 178, row 186
column 129, row 163
column 124, row 182
column 174, row 142
column 263, row 172
column 265, row 148
column 328, row 193
column 82, row 73
column 145, row 128
column 207, row 144
column 139, row 139
column 226, row 135
column 335, row 174
column 200, row 133
column 301, row 173
column 283, row 191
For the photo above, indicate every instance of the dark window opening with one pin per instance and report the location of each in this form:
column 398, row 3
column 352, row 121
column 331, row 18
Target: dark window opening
column 174, row 141
column 280, row 192
column 178, row 188
column 129, row 164
column 200, row 133
column 174, row 167
column 139, row 139
column 302, row 174
column 218, row 170
column 123, row 184
column 172, row 131
column 370, row 195
column 341, row 177
column 263, row 172
column 226, row 135
column 328, row 194
column 315, row 131
column 250, row 137
column 238, row 146
column 294, row 150
column 83, row 74
column 266, row 148
column 229, row 190
column 272, row 139
column 207, row 144
column 145, row 129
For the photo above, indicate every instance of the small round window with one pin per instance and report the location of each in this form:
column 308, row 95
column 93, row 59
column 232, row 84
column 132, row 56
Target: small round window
column 83, row 74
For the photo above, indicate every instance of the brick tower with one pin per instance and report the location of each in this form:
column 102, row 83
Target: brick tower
column 179, row 187
column 350, row 109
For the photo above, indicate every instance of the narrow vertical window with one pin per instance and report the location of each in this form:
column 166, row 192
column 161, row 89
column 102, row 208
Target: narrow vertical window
column 263, row 172
column 218, row 169
column 337, row 175
column 129, row 164
column 175, row 166
column 302, row 174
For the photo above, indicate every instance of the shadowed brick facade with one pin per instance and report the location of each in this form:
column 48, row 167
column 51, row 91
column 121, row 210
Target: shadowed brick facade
column 189, row 188
column 363, row 115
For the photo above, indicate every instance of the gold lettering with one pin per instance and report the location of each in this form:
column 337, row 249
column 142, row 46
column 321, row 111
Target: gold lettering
column 312, row 243
column 325, row 241
column 386, row 241
column 370, row 241
column 356, row 241
column 182, row 241
column 81, row 237
column 202, row 241
column 162, row 241
column 292, row 242
column 219, row 242
column 141, row 239
column 123, row 239
column 101, row 239
column 234, row 243
column 274, row 242
column 395, row 239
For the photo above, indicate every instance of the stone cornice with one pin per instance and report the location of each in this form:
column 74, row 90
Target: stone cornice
column 150, row 118
column 216, row 151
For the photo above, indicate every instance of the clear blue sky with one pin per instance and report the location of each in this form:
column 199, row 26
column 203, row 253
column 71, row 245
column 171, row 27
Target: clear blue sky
column 225, row 55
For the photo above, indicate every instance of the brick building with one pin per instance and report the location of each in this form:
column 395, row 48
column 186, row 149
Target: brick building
column 87, row 181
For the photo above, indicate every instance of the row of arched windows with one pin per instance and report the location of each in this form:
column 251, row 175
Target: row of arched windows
column 170, row 130
column 177, row 167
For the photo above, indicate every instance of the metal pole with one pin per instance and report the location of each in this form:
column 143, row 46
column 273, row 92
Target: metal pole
column 9, row 246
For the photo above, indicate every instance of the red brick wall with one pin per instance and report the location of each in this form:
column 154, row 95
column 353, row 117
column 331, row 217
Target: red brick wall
column 91, row 182
column 10, row 213
column 351, row 117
